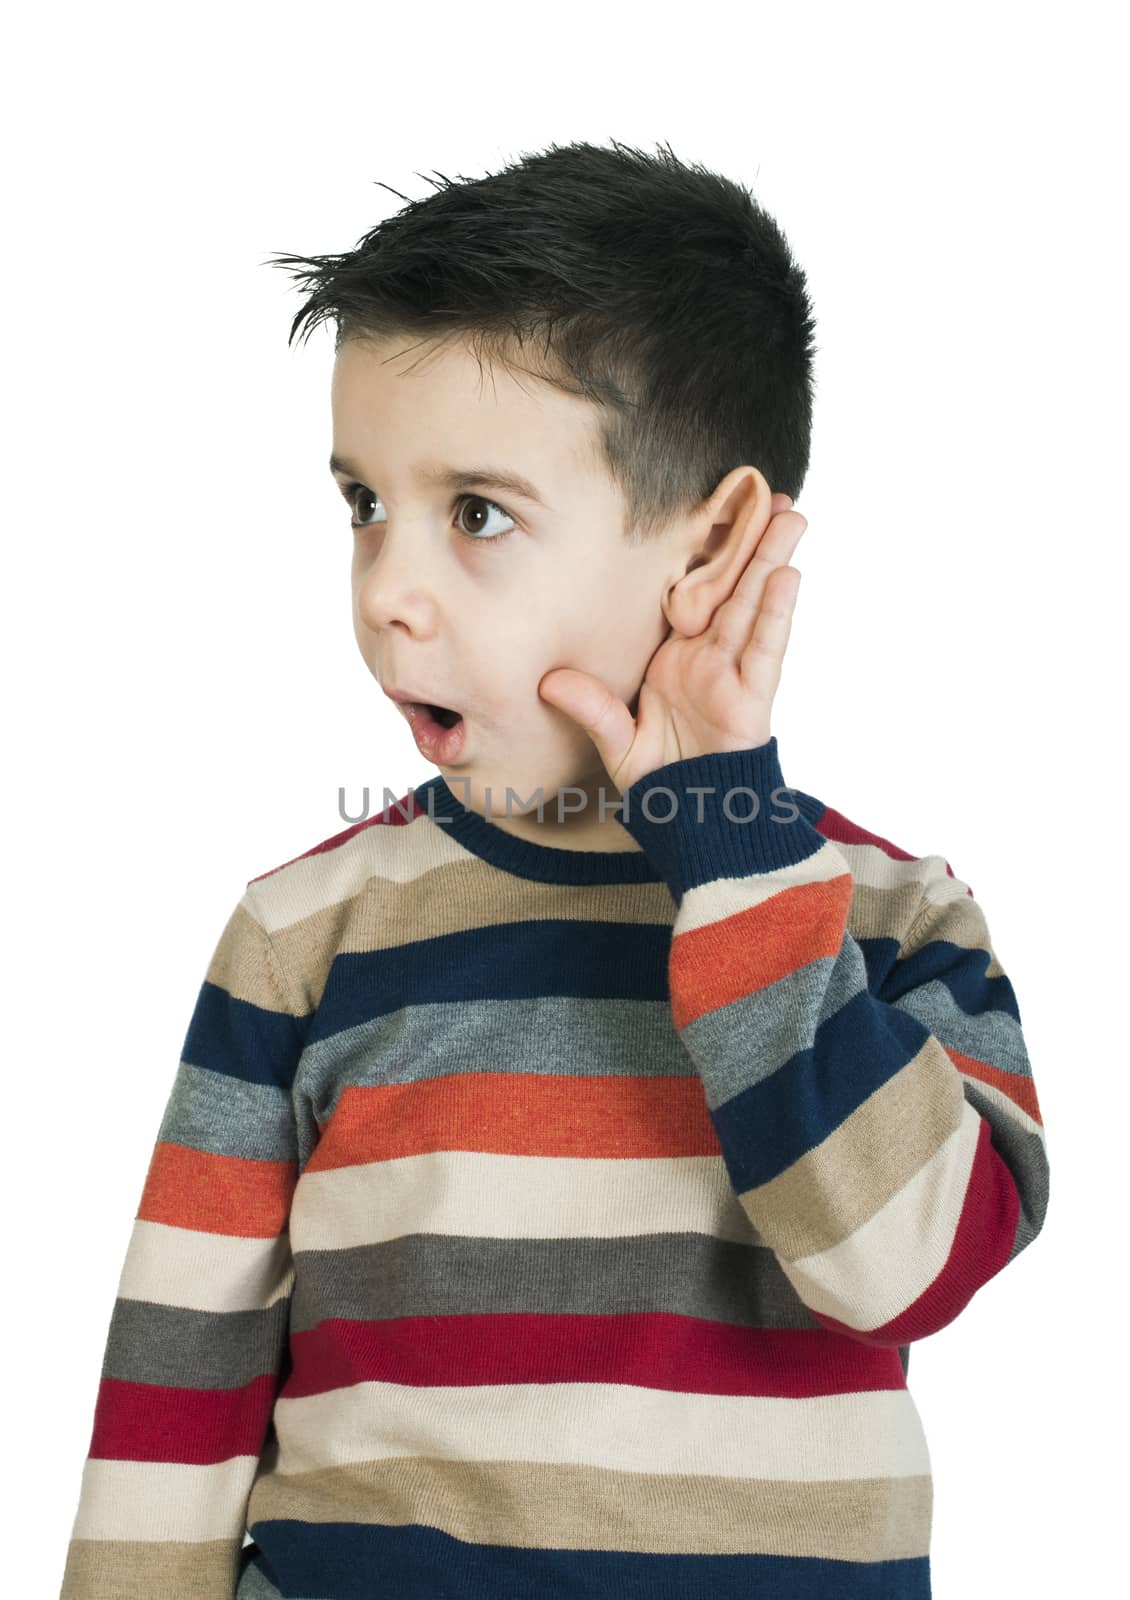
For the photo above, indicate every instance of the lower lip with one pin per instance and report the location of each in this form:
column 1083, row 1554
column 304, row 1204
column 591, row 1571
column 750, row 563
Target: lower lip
column 434, row 741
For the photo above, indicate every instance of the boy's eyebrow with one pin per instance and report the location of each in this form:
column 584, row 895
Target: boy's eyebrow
column 462, row 478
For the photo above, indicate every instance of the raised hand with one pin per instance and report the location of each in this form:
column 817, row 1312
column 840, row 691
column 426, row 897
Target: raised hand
column 711, row 692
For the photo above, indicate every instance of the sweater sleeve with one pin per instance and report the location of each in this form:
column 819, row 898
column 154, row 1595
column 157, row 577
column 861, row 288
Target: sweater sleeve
column 879, row 1125
column 197, row 1340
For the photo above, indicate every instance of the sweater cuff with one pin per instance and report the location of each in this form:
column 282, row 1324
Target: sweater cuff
column 724, row 832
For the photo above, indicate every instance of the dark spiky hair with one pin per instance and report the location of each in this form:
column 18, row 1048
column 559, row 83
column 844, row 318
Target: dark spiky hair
column 661, row 292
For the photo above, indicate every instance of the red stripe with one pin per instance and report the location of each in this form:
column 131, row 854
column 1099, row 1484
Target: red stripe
column 653, row 1350
column 841, row 830
column 192, row 1427
column 981, row 1247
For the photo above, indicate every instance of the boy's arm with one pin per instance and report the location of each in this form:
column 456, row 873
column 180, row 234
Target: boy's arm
column 195, row 1352
column 883, row 1136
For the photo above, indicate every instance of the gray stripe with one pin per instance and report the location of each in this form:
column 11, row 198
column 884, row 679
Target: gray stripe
column 180, row 1348
column 690, row 1275
column 1025, row 1155
column 991, row 1036
column 424, row 1275
column 749, row 1039
column 211, row 1111
column 558, row 1035
column 251, row 1583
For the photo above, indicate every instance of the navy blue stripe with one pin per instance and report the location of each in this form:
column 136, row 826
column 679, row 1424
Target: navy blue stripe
column 769, row 826
column 765, row 1128
column 351, row 1561
column 506, row 961
column 243, row 1040
column 721, row 847
column 963, row 973
column 880, row 958
column 526, row 857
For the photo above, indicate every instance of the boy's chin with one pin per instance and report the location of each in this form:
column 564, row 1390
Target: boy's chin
column 536, row 784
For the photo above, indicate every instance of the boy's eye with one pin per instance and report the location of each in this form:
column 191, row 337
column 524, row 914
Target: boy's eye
column 357, row 496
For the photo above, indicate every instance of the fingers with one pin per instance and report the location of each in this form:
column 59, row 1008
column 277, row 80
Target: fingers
column 759, row 666
column 730, row 626
column 781, row 537
column 779, row 504
column 592, row 706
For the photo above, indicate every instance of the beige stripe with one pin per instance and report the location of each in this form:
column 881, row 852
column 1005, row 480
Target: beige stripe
column 923, row 880
column 240, row 963
column 883, row 1267
column 876, row 1433
column 886, row 895
column 156, row 1500
column 398, row 856
column 833, row 1189
column 180, row 1571
column 959, row 920
column 534, row 1505
column 874, row 869
column 402, row 855
column 939, row 888
column 352, row 897
column 725, row 897
column 465, row 894
column 204, row 1271
column 474, row 1195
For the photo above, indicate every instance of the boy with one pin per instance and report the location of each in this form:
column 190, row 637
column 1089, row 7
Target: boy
column 548, row 1196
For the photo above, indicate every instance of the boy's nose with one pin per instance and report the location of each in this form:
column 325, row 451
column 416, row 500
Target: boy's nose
column 388, row 595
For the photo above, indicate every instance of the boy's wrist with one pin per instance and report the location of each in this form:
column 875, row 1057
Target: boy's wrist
column 722, row 814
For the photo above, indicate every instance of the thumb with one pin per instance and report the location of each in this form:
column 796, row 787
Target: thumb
column 593, row 706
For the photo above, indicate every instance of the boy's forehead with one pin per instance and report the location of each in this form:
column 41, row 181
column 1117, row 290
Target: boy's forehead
column 471, row 418
column 406, row 372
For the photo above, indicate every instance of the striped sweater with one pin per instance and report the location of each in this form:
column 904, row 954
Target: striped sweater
column 537, row 1222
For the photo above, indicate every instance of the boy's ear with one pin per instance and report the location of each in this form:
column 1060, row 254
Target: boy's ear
column 722, row 536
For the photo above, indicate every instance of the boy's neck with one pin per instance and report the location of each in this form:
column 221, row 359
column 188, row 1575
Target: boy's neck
column 578, row 829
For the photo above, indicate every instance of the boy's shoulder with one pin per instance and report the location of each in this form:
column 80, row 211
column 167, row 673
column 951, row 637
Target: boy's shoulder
column 891, row 885
column 350, row 846
column 336, row 890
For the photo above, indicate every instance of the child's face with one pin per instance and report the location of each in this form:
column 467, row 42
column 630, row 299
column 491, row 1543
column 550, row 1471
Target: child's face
column 476, row 625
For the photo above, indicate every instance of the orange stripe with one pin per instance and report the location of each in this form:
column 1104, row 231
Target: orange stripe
column 740, row 954
column 518, row 1114
column 1021, row 1090
column 217, row 1194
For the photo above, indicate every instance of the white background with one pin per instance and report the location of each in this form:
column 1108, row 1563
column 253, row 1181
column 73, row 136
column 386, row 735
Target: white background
column 185, row 697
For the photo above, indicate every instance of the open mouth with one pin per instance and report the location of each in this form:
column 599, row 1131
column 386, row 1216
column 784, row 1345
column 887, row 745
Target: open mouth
column 444, row 715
